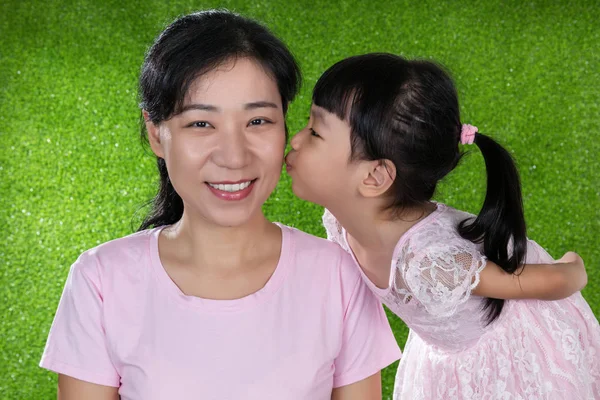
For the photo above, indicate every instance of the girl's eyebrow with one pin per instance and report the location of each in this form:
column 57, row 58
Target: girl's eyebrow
column 248, row 106
column 319, row 114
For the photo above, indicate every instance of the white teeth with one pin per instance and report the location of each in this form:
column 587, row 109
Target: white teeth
column 231, row 188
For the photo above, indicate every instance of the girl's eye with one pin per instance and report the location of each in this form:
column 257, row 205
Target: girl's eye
column 259, row 121
column 313, row 133
column 200, row 124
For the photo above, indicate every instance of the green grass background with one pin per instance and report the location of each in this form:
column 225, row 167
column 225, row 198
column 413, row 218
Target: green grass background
column 73, row 172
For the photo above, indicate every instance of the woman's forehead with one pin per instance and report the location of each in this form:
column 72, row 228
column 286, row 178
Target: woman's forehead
column 241, row 81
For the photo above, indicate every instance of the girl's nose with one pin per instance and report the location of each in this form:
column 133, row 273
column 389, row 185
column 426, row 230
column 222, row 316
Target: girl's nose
column 297, row 140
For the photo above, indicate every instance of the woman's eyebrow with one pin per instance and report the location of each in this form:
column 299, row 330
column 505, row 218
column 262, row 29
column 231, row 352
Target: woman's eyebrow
column 260, row 104
column 202, row 107
column 248, row 106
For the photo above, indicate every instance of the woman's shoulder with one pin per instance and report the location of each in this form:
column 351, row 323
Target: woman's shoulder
column 131, row 245
column 121, row 254
column 322, row 268
column 317, row 252
column 308, row 242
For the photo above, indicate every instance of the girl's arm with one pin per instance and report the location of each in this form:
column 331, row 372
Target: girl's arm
column 73, row 389
column 367, row 389
column 534, row 281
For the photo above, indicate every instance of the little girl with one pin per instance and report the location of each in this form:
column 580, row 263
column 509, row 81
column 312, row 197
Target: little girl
column 383, row 131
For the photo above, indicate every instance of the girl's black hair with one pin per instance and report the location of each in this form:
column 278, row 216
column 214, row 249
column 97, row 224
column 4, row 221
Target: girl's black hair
column 188, row 48
column 407, row 112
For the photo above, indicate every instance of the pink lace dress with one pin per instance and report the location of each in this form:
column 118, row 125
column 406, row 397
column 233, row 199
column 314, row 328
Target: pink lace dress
column 534, row 350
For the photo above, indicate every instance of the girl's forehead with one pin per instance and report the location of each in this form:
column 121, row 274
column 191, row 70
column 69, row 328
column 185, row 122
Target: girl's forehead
column 320, row 112
column 327, row 118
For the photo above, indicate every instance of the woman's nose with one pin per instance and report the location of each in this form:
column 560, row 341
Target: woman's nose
column 234, row 152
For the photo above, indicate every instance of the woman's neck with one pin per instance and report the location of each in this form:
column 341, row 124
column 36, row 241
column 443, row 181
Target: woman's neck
column 210, row 246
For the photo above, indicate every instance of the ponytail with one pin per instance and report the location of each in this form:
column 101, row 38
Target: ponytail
column 501, row 221
column 167, row 207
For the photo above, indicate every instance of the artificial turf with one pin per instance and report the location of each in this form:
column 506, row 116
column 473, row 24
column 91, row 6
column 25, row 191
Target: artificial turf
column 74, row 174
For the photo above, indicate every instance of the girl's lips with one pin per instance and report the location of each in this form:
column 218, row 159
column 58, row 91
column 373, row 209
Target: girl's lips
column 232, row 196
column 288, row 164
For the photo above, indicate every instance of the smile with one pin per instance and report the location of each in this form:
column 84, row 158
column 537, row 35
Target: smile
column 231, row 188
column 231, row 191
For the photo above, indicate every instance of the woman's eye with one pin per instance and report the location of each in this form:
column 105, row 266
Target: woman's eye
column 259, row 121
column 200, row 124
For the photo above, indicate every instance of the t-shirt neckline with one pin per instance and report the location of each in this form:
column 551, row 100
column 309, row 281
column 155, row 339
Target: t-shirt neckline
column 211, row 305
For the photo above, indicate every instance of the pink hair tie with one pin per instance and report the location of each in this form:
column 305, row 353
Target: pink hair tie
column 467, row 134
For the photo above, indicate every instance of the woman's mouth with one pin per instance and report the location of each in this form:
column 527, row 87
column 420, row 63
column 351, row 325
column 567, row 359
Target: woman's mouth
column 232, row 191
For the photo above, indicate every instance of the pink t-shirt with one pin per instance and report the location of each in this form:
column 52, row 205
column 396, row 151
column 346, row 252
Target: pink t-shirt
column 123, row 322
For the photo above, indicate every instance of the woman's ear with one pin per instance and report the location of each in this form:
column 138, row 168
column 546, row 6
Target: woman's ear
column 378, row 177
column 153, row 131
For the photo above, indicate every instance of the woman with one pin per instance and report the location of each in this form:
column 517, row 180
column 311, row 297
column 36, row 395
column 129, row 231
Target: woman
column 215, row 301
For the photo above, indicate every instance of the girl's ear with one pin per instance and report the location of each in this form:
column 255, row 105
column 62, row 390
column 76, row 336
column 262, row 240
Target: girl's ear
column 378, row 177
column 153, row 135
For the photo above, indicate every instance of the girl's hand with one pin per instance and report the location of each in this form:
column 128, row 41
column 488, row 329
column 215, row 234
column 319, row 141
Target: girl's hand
column 574, row 270
column 571, row 257
column 534, row 281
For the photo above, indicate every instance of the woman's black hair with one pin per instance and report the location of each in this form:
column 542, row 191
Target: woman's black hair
column 407, row 112
column 188, row 48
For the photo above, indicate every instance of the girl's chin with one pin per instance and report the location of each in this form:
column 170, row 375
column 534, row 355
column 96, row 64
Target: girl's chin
column 301, row 193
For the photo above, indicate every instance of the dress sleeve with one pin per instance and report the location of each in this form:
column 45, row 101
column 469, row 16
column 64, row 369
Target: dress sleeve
column 76, row 344
column 441, row 276
column 536, row 254
column 368, row 344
